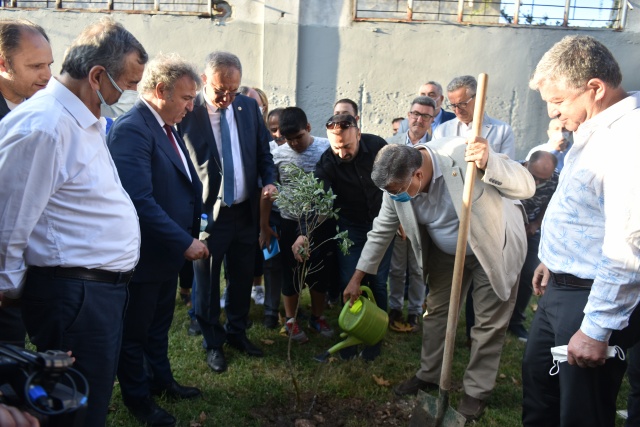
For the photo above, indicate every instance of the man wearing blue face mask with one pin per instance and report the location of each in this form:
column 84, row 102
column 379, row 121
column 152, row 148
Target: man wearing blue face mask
column 427, row 182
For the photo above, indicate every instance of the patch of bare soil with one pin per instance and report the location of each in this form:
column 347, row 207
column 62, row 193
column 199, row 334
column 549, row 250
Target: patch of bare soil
column 328, row 411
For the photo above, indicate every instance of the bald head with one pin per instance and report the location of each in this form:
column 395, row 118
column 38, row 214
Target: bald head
column 541, row 165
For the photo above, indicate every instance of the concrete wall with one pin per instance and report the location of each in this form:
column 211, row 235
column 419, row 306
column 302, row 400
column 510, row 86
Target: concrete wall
column 310, row 53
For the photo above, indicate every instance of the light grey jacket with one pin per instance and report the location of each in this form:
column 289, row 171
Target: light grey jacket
column 497, row 234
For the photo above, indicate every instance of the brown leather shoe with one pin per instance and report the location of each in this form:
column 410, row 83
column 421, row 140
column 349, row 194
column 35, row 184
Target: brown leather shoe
column 471, row 408
column 412, row 385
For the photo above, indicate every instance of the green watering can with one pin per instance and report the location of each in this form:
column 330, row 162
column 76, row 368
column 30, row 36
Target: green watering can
column 363, row 323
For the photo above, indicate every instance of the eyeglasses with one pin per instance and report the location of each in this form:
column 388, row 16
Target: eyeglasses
column 399, row 192
column 343, row 125
column 223, row 94
column 460, row 105
column 416, row 115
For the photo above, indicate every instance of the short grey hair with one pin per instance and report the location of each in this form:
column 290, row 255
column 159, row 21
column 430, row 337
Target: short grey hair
column 395, row 163
column 220, row 60
column 167, row 69
column 436, row 84
column 424, row 100
column 573, row 61
column 468, row 82
column 105, row 43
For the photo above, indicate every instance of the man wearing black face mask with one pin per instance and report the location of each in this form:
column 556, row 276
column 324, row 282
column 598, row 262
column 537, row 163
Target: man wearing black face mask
column 423, row 188
column 346, row 169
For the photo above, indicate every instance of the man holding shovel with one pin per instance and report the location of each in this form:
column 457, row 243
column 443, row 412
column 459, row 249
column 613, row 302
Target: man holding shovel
column 423, row 188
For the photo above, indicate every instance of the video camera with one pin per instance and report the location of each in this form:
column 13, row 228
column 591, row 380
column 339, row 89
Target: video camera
column 44, row 384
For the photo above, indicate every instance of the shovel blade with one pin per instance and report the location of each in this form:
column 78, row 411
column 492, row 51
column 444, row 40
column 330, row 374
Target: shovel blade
column 432, row 411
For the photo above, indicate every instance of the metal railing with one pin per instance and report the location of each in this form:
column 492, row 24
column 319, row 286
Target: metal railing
column 205, row 8
column 542, row 13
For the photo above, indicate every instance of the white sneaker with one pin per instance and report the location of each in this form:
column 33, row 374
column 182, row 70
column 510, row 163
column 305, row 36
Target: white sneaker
column 257, row 294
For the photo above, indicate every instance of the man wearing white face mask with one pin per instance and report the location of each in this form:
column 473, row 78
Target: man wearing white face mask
column 71, row 231
column 560, row 141
column 542, row 166
column 423, row 191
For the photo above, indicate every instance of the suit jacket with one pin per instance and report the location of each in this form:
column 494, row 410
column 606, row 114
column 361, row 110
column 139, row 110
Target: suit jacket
column 499, row 134
column 4, row 108
column 497, row 235
column 254, row 138
column 168, row 202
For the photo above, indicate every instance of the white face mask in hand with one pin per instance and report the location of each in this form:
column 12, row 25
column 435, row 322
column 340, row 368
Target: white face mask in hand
column 559, row 354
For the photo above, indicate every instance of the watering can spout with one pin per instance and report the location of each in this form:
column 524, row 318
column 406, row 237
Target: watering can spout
column 348, row 342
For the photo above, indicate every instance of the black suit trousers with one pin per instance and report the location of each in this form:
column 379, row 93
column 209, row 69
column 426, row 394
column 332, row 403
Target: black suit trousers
column 575, row 397
column 145, row 336
column 233, row 236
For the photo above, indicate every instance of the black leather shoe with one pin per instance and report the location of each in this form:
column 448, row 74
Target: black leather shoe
column 150, row 414
column 216, row 360
column 412, row 385
column 176, row 391
column 242, row 344
column 194, row 328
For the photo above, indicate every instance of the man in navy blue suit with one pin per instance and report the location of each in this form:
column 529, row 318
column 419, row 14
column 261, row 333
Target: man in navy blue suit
column 156, row 171
column 229, row 145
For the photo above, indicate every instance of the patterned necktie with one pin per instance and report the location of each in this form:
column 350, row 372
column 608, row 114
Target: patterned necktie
column 167, row 129
column 227, row 159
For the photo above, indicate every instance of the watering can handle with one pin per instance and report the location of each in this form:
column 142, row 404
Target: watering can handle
column 369, row 293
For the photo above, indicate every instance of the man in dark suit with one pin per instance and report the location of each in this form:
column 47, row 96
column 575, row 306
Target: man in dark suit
column 25, row 68
column 229, row 145
column 156, row 171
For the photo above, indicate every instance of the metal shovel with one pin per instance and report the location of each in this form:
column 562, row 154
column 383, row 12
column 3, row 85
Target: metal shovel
column 435, row 411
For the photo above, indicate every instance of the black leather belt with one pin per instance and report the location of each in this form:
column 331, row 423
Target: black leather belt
column 81, row 273
column 571, row 280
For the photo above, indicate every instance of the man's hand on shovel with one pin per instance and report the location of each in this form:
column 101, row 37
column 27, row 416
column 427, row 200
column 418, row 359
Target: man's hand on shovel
column 477, row 151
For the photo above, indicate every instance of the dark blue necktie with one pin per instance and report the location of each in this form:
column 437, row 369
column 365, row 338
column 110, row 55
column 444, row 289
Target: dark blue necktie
column 227, row 159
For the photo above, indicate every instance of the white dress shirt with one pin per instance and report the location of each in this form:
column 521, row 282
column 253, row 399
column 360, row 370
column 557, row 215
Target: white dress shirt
column 241, row 193
column 61, row 197
column 591, row 228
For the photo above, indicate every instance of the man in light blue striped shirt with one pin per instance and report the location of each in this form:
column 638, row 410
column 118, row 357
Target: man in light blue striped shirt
column 590, row 247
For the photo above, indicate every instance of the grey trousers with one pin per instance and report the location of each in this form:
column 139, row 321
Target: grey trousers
column 402, row 259
column 487, row 335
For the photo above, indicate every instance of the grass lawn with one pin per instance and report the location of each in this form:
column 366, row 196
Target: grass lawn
column 259, row 391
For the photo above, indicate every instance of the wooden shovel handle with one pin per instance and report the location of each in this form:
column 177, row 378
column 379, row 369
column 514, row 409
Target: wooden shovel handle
column 461, row 248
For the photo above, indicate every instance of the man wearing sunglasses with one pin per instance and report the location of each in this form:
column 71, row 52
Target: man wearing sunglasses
column 424, row 186
column 228, row 142
column 461, row 94
column 346, row 169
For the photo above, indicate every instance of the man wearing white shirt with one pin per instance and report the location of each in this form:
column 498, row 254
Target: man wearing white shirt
column 589, row 276
column 434, row 91
column 70, row 231
column 560, row 141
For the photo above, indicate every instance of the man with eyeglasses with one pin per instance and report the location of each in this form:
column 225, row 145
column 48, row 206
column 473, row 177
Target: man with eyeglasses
column 403, row 261
column 423, row 191
column 542, row 166
column 72, row 230
column 461, row 94
column 434, row 91
column 346, row 169
column 228, row 142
